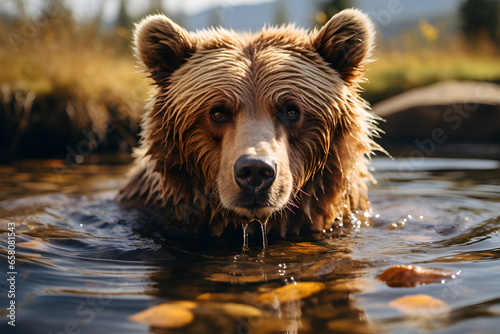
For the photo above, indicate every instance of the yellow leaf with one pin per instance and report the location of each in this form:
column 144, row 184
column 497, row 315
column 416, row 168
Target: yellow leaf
column 291, row 292
column 419, row 305
column 164, row 315
column 240, row 310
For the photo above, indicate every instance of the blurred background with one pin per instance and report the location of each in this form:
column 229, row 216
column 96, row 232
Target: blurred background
column 70, row 87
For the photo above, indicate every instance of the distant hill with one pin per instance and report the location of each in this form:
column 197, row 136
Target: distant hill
column 253, row 17
column 389, row 18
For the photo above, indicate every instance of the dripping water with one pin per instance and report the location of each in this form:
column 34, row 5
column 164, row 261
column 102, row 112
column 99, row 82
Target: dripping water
column 245, row 236
column 263, row 227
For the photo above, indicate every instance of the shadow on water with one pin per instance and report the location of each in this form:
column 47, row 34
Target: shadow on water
column 81, row 266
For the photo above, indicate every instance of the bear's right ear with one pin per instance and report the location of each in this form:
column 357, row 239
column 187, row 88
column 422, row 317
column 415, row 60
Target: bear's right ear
column 162, row 45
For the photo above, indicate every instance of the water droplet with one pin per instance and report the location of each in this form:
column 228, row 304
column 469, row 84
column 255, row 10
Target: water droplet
column 245, row 236
column 264, row 234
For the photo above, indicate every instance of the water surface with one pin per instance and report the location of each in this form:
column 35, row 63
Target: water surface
column 82, row 268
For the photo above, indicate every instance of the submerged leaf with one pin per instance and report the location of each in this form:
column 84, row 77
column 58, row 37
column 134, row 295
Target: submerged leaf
column 419, row 305
column 166, row 315
column 239, row 310
column 291, row 292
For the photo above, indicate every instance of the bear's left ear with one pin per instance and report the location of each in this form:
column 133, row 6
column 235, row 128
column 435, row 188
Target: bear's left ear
column 162, row 45
column 346, row 43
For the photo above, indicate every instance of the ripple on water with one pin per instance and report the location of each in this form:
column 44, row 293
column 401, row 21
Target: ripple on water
column 78, row 253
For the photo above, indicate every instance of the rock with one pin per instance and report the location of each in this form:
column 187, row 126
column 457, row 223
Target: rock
column 449, row 112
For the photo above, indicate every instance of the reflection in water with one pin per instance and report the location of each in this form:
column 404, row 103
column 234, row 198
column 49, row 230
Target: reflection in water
column 82, row 265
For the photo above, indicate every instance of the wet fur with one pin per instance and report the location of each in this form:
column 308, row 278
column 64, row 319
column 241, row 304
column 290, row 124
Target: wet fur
column 185, row 161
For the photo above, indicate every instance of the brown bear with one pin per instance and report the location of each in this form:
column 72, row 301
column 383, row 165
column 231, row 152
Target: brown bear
column 266, row 126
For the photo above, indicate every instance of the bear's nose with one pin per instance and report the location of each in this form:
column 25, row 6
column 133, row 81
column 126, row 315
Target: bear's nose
column 254, row 172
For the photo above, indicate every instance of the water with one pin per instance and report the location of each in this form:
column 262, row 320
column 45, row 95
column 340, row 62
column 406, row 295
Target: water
column 82, row 268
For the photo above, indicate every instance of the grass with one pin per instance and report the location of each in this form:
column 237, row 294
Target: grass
column 400, row 69
column 68, row 80
column 64, row 58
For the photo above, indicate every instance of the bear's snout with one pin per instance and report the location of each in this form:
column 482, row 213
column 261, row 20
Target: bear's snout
column 254, row 173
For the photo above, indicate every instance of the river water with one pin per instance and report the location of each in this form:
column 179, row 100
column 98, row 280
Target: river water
column 81, row 267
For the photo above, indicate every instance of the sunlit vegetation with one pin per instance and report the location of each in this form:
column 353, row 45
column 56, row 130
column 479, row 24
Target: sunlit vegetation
column 59, row 77
column 424, row 56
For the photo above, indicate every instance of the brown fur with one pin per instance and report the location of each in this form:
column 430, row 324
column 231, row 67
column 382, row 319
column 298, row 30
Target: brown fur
column 185, row 167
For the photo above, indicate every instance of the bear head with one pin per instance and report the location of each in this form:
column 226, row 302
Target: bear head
column 263, row 122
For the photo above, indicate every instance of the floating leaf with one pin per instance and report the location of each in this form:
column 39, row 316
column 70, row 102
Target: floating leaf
column 410, row 276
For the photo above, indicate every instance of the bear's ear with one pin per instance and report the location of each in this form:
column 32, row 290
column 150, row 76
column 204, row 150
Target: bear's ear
column 162, row 45
column 346, row 43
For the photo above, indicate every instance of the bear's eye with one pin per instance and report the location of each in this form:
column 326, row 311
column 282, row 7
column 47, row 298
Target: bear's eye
column 288, row 113
column 220, row 114
column 291, row 114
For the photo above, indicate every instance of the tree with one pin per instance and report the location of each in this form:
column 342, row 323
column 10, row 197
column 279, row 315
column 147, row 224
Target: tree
column 123, row 19
column 481, row 17
column 156, row 6
column 280, row 13
column 329, row 8
column 332, row 7
column 215, row 17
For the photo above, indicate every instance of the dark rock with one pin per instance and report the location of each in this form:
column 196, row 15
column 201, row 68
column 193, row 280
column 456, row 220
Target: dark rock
column 443, row 118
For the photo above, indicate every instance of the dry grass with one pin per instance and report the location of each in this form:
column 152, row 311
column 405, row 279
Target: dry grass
column 65, row 59
column 80, row 76
column 420, row 63
column 89, row 76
